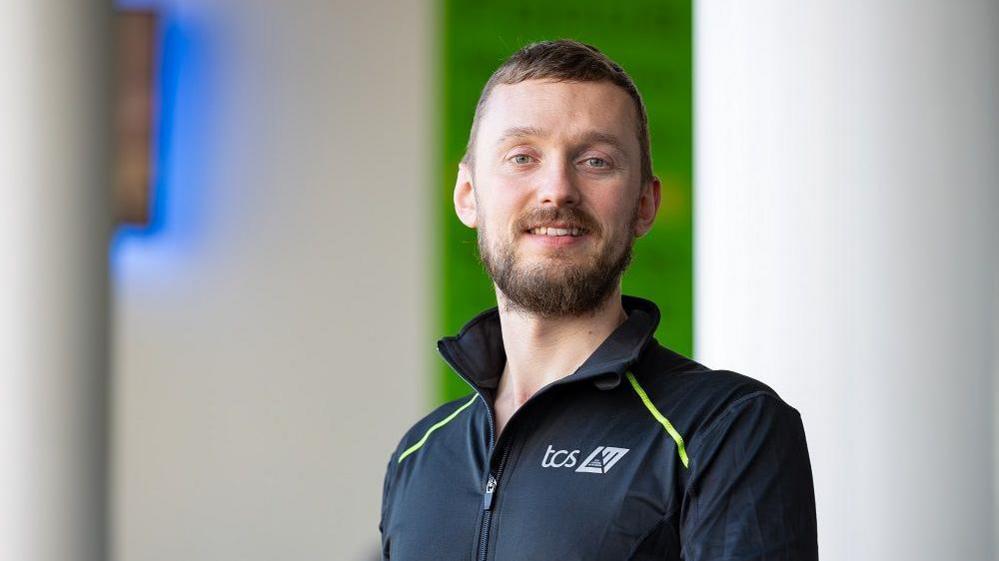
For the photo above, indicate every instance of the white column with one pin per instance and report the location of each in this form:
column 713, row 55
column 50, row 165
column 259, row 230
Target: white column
column 847, row 234
column 54, row 224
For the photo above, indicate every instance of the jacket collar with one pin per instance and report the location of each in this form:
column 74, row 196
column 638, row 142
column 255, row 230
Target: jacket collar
column 477, row 355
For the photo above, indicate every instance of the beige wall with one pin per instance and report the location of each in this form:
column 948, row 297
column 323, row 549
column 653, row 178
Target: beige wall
column 274, row 338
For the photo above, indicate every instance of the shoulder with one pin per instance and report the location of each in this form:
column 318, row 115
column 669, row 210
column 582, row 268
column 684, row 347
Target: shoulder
column 435, row 419
column 697, row 399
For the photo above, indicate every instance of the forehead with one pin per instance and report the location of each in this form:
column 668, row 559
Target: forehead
column 561, row 109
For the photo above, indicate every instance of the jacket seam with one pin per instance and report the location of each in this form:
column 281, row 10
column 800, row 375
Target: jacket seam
column 412, row 448
column 729, row 411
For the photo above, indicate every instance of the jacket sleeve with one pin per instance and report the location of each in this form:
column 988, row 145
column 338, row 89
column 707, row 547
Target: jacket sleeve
column 385, row 499
column 749, row 494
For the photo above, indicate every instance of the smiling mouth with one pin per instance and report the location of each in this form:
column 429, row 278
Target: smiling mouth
column 554, row 232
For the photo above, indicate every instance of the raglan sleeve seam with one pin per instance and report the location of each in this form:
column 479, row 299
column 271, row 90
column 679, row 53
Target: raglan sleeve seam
column 705, row 434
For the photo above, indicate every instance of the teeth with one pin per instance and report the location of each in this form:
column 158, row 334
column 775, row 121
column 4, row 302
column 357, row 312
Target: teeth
column 556, row 231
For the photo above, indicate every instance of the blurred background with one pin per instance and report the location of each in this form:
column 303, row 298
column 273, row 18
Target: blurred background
column 229, row 250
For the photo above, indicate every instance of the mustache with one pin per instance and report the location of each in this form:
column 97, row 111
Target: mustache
column 571, row 217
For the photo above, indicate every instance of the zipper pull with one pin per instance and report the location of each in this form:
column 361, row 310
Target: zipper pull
column 487, row 499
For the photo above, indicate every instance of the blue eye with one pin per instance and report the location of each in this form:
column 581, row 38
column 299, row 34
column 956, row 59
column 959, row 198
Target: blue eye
column 597, row 162
column 521, row 159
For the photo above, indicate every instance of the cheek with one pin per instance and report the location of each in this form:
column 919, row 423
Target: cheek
column 500, row 209
column 491, row 226
column 614, row 210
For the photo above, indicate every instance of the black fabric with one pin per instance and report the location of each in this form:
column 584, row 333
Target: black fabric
column 746, row 494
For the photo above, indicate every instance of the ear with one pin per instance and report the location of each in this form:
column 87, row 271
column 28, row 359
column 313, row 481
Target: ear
column 648, row 206
column 464, row 197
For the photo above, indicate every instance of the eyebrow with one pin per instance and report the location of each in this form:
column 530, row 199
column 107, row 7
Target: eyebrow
column 591, row 137
column 519, row 132
column 595, row 137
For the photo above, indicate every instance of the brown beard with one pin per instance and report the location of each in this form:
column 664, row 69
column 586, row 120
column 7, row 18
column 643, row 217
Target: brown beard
column 552, row 291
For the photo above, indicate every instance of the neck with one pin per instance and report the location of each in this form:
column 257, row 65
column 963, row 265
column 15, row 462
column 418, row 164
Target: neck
column 542, row 350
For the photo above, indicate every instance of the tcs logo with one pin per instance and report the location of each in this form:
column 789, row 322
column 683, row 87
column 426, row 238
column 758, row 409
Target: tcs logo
column 600, row 460
column 559, row 458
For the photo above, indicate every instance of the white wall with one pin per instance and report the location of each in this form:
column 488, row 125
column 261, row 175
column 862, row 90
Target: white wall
column 847, row 225
column 274, row 338
column 54, row 224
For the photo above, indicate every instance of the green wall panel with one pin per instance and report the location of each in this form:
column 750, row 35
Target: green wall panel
column 652, row 40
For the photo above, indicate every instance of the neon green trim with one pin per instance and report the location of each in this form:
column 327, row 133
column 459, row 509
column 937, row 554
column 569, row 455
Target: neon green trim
column 435, row 426
column 659, row 417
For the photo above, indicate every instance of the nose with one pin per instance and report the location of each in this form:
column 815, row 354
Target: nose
column 557, row 186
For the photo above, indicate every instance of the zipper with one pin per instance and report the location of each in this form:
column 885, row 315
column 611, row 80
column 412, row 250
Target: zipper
column 487, row 503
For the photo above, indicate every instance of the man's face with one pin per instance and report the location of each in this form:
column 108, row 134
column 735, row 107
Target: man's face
column 556, row 193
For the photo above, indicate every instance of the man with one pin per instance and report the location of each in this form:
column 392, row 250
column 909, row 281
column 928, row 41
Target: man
column 584, row 438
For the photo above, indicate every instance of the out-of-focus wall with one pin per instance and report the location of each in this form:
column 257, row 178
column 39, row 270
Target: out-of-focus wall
column 272, row 330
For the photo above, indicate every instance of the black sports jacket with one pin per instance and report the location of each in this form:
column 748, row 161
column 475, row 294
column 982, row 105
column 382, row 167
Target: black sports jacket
column 640, row 454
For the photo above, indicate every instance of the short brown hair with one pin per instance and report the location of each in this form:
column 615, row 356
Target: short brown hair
column 569, row 61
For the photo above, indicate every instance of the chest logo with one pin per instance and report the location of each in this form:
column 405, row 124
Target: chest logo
column 600, row 460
